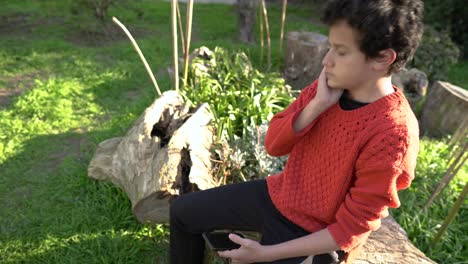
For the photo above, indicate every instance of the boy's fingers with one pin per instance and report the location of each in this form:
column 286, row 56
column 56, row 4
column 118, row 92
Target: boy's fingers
column 223, row 254
column 227, row 254
column 322, row 72
column 322, row 75
column 322, row 79
column 238, row 240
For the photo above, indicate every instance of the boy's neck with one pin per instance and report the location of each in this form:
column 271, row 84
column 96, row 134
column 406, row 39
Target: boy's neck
column 372, row 90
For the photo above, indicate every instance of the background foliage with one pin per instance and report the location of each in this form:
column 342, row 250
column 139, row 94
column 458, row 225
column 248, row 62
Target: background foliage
column 242, row 99
column 436, row 54
column 449, row 16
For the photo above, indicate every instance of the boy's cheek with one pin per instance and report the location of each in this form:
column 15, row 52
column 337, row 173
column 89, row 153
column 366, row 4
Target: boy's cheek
column 332, row 84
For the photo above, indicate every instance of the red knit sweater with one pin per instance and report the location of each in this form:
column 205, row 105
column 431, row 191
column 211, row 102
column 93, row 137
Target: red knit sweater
column 345, row 168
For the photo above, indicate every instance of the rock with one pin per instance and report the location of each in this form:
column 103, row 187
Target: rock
column 445, row 109
column 303, row 58
column 414, row 84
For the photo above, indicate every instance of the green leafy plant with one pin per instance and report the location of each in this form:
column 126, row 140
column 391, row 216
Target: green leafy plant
column 241, row 98
column 239, row 95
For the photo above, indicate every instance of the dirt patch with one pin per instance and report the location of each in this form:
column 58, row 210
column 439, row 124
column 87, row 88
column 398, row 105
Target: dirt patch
column 11, row 87
column 96, row 35
column 14, row 24
column 21, row 23
column 134, row 94
column 105, row 35
column 72, row 148
column 6, row 95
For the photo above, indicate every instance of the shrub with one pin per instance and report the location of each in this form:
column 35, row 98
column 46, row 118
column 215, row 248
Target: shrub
column 450, row 16
column 438, row 13
column 436, row 54
column 241, row 99
column 98, row 7
column 238, row 94
column 459, row 28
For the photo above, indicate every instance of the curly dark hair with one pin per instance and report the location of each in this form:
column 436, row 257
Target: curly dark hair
column 383, row 24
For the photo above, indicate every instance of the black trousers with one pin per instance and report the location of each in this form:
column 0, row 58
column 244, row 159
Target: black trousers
column 244, row 206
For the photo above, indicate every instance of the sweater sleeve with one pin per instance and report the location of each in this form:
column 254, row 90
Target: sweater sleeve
column 385, row 165
column 281, row 137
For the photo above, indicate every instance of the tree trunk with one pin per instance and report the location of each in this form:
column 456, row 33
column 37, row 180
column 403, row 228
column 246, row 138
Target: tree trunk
column 166, row 153
column 247, row 12
column 445, row 109
column 303, row 58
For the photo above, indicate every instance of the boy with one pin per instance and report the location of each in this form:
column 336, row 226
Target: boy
column 352, row 141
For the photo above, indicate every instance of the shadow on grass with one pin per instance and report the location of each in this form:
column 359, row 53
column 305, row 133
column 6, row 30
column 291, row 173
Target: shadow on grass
column 51, row 212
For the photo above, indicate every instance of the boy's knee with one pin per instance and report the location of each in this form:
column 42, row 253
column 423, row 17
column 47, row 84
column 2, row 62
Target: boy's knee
column 179, row 207
column 175, row 207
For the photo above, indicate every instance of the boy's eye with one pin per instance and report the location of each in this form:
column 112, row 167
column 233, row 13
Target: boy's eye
column 337, row 52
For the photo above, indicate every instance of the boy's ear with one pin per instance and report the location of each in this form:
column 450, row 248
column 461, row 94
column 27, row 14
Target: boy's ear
column 385, row 58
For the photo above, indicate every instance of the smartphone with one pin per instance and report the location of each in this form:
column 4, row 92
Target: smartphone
column 219, row 240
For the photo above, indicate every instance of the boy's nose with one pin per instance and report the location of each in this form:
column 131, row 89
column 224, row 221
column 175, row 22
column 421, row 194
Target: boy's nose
column 326, row 60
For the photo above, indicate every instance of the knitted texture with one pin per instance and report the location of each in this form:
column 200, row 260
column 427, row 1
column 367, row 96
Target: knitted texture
column 345, row 168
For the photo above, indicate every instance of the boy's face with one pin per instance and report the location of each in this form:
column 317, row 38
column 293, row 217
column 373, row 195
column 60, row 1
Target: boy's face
column 345, row 65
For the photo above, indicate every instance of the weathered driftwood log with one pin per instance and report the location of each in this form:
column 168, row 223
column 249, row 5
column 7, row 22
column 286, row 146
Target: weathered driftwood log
column 303, row 58
column 444, row 110
column 414, row 84
column 166, row 153
column 247, row 12
column 389, row 245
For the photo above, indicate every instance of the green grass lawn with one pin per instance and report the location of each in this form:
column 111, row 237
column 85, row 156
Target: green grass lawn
column 65, row 87
column 71, row 97
column 458, row 74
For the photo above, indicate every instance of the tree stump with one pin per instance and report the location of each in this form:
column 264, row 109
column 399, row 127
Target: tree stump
column 303, row 58
column 444, row 110
column 389, row 245
column 414, row 84
column 247, row 12
column 165, row 153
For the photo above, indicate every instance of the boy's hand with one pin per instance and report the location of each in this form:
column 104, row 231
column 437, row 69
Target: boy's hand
column 326, row 96
column 249, row 252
